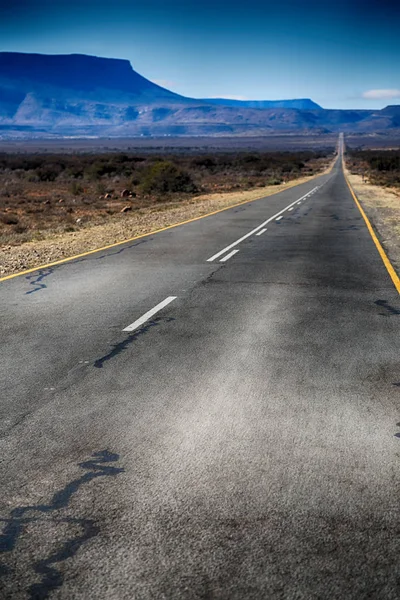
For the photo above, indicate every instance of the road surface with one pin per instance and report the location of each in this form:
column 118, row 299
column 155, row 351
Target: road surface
column 239, row 441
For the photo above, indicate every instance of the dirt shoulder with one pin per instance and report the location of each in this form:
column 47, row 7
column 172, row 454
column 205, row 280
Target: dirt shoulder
column 14, row 259
column 382, row 206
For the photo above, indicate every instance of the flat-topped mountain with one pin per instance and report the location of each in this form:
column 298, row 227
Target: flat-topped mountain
column 79, row 74
column 80, row 95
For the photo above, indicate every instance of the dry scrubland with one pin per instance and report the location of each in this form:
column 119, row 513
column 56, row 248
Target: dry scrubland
column 375, row 177
column 55, row 206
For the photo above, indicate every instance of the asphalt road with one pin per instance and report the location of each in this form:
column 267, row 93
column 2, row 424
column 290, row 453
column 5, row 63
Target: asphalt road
column 242, row 443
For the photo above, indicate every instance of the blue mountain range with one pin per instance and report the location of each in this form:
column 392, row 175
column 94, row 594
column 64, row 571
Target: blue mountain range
column 64, row 95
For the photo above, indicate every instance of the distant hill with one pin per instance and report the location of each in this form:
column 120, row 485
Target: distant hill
column 79, row 95
column 387, row 118
column 301, row 103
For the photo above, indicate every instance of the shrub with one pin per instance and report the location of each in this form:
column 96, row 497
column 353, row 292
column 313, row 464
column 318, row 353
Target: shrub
column 20, row 228
column 133, row 182
column 101, row 188
column 207, row 162
column 76, row 188
column 165, row 177
column 9, row 219
column 75, row 171
column 49, row 172
column 32, row 177
column 98, row 169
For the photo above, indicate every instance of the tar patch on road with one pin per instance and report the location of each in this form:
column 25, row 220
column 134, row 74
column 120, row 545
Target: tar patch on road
column 50, row 577
column 349, row 228
column 120, row 251
column 132, row 337
column 391, row 310
column 37, row 280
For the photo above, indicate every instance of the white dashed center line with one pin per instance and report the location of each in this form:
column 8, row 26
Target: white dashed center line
column 261, row 232
column 149, row 314
column 221, row 252
column 228, row 256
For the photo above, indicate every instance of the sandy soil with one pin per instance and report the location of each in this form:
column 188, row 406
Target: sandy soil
column 382, row 206
column 14, row 259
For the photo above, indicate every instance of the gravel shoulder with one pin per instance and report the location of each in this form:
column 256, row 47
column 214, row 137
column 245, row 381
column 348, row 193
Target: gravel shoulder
column 14, row 259
column 382, row 205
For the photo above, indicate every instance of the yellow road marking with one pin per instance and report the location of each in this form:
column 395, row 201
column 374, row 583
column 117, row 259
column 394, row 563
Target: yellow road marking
column 142, row 235
column 383, row 255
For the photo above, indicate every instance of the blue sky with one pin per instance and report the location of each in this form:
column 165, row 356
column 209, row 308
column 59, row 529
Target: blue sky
column 342, row 54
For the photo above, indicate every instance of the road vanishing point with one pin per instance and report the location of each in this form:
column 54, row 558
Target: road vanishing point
column 211, row 411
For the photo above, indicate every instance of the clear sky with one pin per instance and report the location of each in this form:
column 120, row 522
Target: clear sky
column 341, row 53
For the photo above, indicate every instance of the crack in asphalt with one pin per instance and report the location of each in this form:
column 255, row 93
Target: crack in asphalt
column 107, row 254
column 38, row 280
column 349, row 228
column 52, row 578
column 40, row 274
column 391, row 309
column 9, row 427
column 129, row 339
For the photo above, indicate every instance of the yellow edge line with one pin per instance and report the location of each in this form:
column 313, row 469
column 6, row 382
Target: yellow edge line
column 142, row 235
column 383, row 255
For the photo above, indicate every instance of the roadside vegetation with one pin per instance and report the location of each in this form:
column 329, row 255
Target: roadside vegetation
column 45, row 194
column 379, row 167
column 375, row 177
